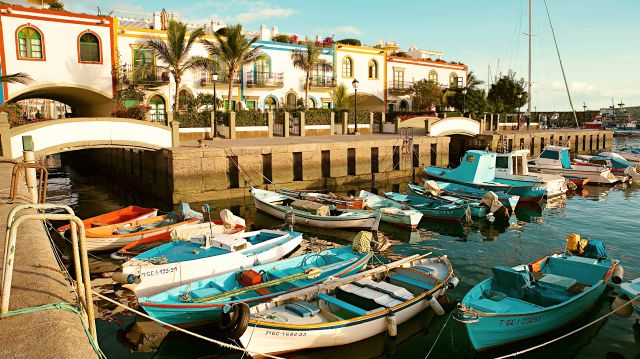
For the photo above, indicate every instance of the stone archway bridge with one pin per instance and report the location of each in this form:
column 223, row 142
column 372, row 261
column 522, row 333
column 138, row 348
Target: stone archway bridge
column 435, row 126
column 70, row 134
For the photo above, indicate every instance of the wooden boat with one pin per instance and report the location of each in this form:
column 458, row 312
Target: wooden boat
column 202, row 301
column 477, row 169
column 555, row 159
column 631, row 154
column 118, row 235
column 130, row 213
column 621, row 168
column 230, row 225
column 473, row 193
column 433, row 207
column 532, row 299
column 632, row 290
column 391, row 211
column 577, row 180
column 340, row 202
column 280, row 205
column 350, row 309
column 514, row 166
column 183, row 261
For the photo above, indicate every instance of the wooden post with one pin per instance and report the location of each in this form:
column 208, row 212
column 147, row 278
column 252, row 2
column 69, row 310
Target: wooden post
column 370, row 122
column 286, row 124
column 175, row 133
column 270, row 123
column 332, row 123
column 232, row 125
column 5, row 139
column 427, row 125
column 302, row 123
column 396, row 124
column 383, row 120
column 345, row 123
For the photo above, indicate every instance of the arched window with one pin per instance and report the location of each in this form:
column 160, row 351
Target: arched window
column 453, row 80
column 347, row 67
column 30, row 44
column 158, row 111
column 373, row 69
column 312, row 102
column 433, row 76
column 89, row 49
column 270, row 103
column 404, row 105
column 291, row 99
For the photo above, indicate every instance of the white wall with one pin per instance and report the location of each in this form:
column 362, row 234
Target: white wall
column 361, row 57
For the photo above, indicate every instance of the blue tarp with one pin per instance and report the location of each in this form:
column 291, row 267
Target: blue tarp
column 595, row 249
column 564, row 158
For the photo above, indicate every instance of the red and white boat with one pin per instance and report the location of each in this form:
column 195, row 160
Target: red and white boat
column 125, row 214
column 555, row 159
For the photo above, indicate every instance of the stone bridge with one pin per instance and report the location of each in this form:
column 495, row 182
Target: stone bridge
column 70, row 134
column 435, row 126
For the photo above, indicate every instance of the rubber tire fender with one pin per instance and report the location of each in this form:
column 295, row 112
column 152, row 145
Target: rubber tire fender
column 242, row 322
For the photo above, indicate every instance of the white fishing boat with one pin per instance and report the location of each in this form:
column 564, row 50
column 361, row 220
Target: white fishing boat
column 347, row 310
column 514, row 166
column 391, row 211
column 313, row 213
column 555, row 159
column 629, row 154
column 204, row 255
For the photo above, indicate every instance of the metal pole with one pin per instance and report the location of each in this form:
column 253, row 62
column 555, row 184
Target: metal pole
column 529, row 82
column 215, row 107
column 355, row 113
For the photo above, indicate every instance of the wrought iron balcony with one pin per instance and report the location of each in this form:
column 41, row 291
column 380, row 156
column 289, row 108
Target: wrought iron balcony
column 399, row 87
column 222, row 79
column 322, row 81
column 144, row 74
column 265, row 79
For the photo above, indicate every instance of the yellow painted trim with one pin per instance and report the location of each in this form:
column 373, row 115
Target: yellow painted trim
column 363, row 52
column 399, row 69
column 342, row 67
column 368, row 49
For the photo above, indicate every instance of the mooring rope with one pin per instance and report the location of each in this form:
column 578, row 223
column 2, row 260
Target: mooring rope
column 439, row 334
column 570, row 333
column 217, row 342
column 255, row 170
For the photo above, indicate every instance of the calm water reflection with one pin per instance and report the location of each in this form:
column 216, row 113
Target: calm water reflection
column 608, row 214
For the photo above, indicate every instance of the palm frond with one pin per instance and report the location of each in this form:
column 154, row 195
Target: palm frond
column 17, row 78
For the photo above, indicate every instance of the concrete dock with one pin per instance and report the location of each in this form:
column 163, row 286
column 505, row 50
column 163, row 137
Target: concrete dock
column 37, row 280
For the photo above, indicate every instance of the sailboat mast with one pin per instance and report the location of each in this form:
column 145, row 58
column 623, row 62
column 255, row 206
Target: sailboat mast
column 529, row 80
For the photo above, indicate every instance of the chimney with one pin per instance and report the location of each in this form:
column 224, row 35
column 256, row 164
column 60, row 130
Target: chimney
column 157, row 23
column 318, row 38
column 264, row 33
column 274, row 31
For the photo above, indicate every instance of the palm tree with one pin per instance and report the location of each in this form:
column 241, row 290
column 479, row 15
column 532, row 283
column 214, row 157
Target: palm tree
column 473, row 81
column 234, row 51
column 17, row 78
column 306, row 60
column 174, row 53
column 340, row 96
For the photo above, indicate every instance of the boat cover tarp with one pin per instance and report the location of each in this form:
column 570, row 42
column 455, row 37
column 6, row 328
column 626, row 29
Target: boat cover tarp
column 510, row 281
column 183, row 213
column 310, row 207
column 595, row 249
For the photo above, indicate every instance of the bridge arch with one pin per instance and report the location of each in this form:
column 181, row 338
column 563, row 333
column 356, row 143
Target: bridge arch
column 72, row 134
column 84, row 100
column 453, row 126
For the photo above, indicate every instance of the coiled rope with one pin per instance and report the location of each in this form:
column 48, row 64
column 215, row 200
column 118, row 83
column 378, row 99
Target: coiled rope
column 217, row 342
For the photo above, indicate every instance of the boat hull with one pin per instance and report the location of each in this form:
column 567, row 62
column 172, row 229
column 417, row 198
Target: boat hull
column 599, row 177
column 155, row 278
column 129, row 213
column 499, row 330
column 456, row 189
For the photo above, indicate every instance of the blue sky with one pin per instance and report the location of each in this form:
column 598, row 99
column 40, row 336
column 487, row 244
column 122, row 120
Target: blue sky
column 597, row 39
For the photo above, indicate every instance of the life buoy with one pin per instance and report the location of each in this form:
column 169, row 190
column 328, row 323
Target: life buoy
column 234, row 321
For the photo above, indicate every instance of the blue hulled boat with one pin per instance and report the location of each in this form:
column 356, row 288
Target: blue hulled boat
column 529, row 300
column 438, row 208
column 478, row 169
column 470, row 193
column 203, row 301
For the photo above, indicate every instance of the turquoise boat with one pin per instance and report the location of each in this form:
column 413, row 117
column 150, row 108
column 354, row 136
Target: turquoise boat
column 203, row 301
column 472, row 193
column 432, row 207
column 632, row 290
column 533, row 299
column 478, row 169
column 420, row 194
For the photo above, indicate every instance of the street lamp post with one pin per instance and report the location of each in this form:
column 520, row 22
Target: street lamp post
column 214, row 78
column 584, row 112
column 464, row 100
column 519, row 97
column 355, row 84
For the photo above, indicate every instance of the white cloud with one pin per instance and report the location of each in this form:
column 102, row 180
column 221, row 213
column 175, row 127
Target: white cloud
column 348, row 30
column 261, row 13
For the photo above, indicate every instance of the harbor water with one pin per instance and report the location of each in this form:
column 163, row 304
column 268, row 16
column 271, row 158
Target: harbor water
column 609, row 214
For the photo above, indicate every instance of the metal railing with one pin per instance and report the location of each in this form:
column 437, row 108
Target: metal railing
column 399, row 86
column 144, row 74
column 265, row 78
column 222, row 79
column 322, row 81
column 42, row 183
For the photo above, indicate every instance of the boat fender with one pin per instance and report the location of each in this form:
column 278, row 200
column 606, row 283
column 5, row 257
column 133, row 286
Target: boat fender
column 124, row 278
column 617, row 306
column 453, row 282
column 433, row 303
column 392, row 324
column 618, row 274
column 444, row 300
column 234, row 320
column 313, row 272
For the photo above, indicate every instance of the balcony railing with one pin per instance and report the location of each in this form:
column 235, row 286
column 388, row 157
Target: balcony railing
column 265, row 79
column 399, row 87
column 222, row 79
column 322, row 81
column 145, row 74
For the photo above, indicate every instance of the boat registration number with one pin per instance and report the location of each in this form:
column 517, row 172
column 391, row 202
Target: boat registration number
column 155, row 272
column 520, row 322
column 285, row 334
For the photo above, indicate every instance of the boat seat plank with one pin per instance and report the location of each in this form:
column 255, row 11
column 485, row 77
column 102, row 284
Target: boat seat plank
column 489, row 306
column 578, row 288
column 557, row 282
column 380, row 298
column 388, row 288
column 342, row 304
column 302, row 309
column 411, row 281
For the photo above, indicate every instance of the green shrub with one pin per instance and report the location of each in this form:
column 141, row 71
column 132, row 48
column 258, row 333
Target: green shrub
column 200, row 119
column 281, row 38
column 138, row 112
column 250, row 118
column 362, row 116
column 353, row 42
column 318, row 117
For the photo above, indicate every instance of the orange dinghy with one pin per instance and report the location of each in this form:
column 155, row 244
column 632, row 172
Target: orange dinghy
column 118, row 235
column 125, row 214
